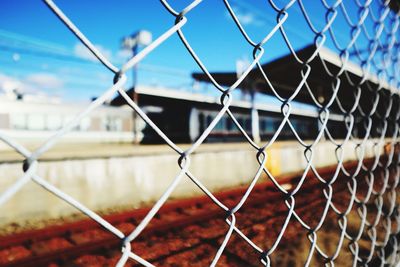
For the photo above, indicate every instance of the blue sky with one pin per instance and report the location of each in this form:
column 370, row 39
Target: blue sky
column 39, row 51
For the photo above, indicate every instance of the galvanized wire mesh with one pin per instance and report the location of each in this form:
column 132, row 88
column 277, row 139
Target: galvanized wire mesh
column 380, row 55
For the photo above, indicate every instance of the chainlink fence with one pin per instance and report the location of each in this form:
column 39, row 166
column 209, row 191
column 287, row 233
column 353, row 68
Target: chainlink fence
column 371, row 106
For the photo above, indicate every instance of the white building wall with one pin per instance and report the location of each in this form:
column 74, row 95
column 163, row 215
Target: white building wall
column 34, row 122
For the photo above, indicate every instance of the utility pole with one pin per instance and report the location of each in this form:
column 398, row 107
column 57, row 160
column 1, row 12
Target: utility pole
column 133, row 42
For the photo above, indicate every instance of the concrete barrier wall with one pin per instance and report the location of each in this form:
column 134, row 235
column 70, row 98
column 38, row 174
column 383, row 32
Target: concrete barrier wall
column 103, row 184
column 288, row 157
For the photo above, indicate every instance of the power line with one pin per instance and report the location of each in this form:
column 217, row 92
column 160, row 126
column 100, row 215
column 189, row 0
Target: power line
column 262, row 16
column 48, row 54
column 30, row 41
column 75, row 59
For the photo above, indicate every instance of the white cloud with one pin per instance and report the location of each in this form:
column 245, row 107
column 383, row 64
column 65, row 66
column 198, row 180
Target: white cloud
column 9, row 84
column 123, row 55
column 119, row 57
column 83, row 52
column 36, row 83
column 44, row 81
column 245, row 17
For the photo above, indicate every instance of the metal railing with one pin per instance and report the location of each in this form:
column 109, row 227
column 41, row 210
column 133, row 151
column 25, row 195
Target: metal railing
column 381, row 113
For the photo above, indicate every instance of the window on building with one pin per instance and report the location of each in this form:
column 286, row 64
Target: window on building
column 240, row 120
column 112, row 123
column 263, row 125
column 229, row 124
column 67, row 119
column 220, row 125
column 118, row 124
column 19, row 121
column 270, row 125
column 209, row 120
column 84, row 124
column 36, row 122
column 53, row 122
column 247, row 124
column 201, row 122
